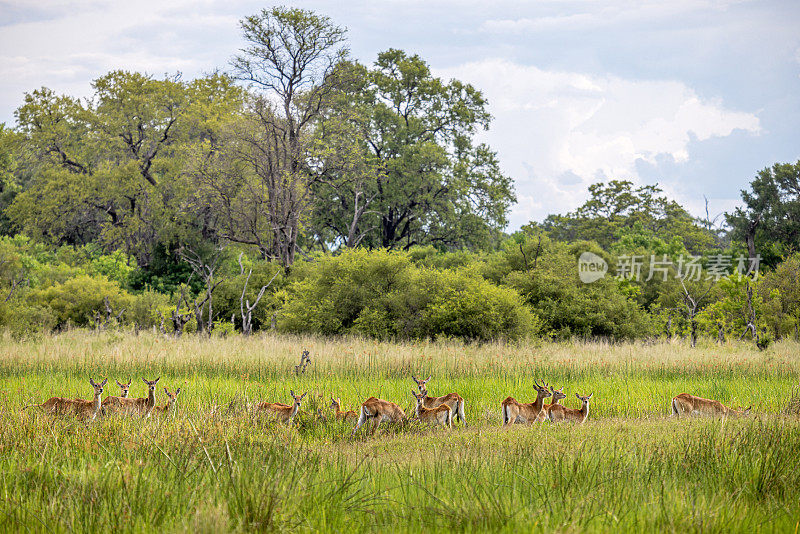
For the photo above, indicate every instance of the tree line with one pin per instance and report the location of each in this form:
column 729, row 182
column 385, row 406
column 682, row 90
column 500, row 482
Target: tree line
column 304, row 191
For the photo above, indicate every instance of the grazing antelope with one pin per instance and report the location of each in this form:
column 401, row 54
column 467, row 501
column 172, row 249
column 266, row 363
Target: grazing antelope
column 171, row 398
column 80, row 407
column 142, row 405
column 379, row 411
column 558, row 395
column 685, row 404
column 516, row 412
column 559, row 413
column 441, row 415
column 349, row 415
column 452, row 400
column 284, row 412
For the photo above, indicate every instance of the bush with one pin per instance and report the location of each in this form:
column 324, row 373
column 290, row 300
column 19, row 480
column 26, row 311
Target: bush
column 383, row 294
column 76, row 300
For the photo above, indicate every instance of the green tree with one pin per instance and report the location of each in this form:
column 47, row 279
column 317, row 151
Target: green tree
column 769, row 223
column 114, row 170
column 617, row 206
column 421, row 178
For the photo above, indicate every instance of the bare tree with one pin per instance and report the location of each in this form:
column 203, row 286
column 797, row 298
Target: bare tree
column 692, row 307
column 291, row 57
column 179, row 319
column 101, row 322
column 245, row 307
column 205, row 269
column 305, row 359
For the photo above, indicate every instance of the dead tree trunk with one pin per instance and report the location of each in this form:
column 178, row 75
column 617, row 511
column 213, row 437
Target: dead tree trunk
column 245, row 307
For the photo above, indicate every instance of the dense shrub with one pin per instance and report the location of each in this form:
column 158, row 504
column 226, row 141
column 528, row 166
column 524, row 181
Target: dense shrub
column 383, row 294
column 76, row 300
column 545, row 273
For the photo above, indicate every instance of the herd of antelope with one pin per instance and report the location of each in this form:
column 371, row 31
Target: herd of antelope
column 429, row 410
column 122, row 404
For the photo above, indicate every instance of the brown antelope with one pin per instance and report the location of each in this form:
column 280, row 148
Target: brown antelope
column 685, row 404
column 516, row 412
column 558, row 395
column 123, row 394
column 171, row 398
column 284, row 412
column 349, row 415
column 142, row 405
column 379, row 411
column 441, row 415
column 79, row 407
column 559, row 413
column 452, row 400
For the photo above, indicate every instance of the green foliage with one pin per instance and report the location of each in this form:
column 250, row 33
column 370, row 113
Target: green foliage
column 76, row 301
column 383, row 294
column 545, row 273
column 769, row 223
column 780, row 290
column 618, row 211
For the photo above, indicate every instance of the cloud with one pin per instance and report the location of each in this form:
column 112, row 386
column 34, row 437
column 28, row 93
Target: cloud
column 557, row 132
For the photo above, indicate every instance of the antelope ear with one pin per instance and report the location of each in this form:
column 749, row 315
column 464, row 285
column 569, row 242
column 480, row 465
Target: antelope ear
column 428, row 379
column 105, row 381
column 156, row 380
column 166, row 391
column 145, row 381
column 590, row 396
column 118, row 383
column 291, row 391
column 177, row 391
column 92, row 382
column 579, row 397
column 129, row 381
column 303, row 395
column 414, row 378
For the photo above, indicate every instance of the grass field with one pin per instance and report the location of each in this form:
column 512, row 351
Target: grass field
column 215, row 465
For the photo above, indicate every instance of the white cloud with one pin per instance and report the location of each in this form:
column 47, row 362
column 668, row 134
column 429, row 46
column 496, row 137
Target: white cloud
column 558, row 132
column 583, row 16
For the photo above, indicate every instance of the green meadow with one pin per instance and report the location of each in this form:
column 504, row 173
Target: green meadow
column 215, row 464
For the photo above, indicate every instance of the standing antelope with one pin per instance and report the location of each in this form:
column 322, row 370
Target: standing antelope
column 80, row 407
column 123, row 394
column 171, row 398
column 685, row 404
column 452, row 400
column 558, row 395
column 142, row 405
column 349, row 415
column 379, row 411
column 516, row 412
column 441, row 415
column 284, row 412
column 562, row 413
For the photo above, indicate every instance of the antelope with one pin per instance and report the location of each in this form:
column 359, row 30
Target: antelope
column 516, row 412
column 80, row 407
column 452, row 400
column 284, row 412
column 171, row 398
column 123, row 394
column 559, row 413
column 340, row 415
column 685, row 404
column 558, row 394
column 441, row 415
column 379, row 411
column 142, row 405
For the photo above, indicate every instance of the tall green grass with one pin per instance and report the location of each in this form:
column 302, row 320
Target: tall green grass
column 216, row 465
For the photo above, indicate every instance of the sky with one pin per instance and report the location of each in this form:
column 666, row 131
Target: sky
column 697, row 96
